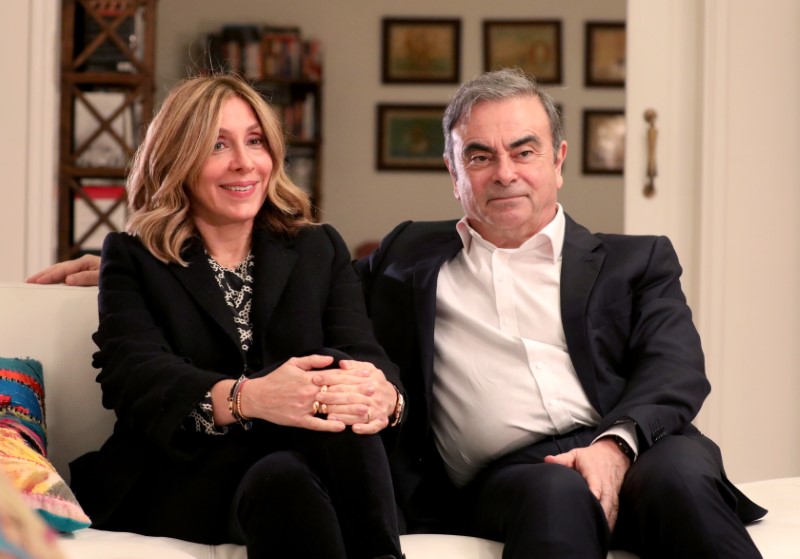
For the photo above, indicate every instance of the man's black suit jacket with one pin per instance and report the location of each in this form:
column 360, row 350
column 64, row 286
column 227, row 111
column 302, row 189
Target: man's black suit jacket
column 166, row 336
column 628, row 328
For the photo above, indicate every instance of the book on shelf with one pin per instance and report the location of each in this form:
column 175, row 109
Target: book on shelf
column 264, row 53
column 281, row 52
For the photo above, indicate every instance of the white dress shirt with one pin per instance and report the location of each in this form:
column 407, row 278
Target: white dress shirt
column 502, row 376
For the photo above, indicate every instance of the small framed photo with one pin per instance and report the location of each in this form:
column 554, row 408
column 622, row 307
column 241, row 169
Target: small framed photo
column 603, row 141
column 605, row 54
column 421, row 50
column 533, row 46
column 410, row 138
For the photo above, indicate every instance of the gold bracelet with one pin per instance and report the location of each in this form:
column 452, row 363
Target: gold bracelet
column 235, row 403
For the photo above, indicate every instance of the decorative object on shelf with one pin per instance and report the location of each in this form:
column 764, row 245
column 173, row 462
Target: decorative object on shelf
column 410, row 137
column 534, row 46
column 107, row 85
column 421, row 50
column 605, row 54
column 603, row 141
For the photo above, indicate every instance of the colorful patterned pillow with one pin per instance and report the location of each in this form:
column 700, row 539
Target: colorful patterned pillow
column 23, row 533
column 23, row 446
column 22, row 399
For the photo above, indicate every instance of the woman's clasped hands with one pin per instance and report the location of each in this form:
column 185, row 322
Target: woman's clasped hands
column 304, row 392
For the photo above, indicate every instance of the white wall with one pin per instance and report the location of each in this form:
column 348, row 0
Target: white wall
column 28, row 41
column 14, row 22
column 361, row 202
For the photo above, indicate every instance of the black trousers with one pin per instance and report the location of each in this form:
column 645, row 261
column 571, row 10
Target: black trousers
column 282, row 492
column 674, row 502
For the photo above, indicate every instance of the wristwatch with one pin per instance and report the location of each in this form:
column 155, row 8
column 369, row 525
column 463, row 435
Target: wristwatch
column 624, row 447
column 398, row 409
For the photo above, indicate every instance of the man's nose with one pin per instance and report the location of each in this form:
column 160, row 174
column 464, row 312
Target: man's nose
column 505, row 171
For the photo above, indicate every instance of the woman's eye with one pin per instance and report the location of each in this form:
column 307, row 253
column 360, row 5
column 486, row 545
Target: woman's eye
column 256, row 141
column 218, row 146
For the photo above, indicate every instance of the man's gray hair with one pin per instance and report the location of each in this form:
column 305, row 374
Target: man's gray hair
column 495, row 86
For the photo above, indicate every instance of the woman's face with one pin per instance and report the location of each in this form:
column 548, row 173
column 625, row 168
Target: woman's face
column 232, row 184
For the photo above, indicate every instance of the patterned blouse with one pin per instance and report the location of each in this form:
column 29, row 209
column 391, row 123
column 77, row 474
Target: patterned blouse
column 236, row 285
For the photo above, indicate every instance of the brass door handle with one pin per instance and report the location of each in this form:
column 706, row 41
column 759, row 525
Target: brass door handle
column 652, row 134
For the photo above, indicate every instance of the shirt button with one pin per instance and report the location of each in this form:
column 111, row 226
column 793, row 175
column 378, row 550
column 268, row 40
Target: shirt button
column 539, row 366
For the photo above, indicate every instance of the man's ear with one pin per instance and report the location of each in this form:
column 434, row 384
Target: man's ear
column 562, row 155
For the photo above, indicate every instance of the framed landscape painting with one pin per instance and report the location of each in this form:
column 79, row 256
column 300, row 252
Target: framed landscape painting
column 421, row 50
column 410, row 137
column 603, row 141
column 533, row 46
column 605, row 54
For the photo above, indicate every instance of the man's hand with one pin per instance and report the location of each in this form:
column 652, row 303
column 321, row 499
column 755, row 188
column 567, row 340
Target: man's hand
column 603, row 466
column 81, row 271
column 358, row 394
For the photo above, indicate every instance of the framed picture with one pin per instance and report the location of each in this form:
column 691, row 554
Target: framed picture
column 421, row 50
column 533, row 46
column 603, row 141
column 605, row 54
column 410, row 138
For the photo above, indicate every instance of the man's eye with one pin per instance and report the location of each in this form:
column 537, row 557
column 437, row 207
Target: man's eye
column 479, row 159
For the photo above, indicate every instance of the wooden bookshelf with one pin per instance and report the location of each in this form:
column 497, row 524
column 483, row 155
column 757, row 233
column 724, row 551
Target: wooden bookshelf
column 107, row 60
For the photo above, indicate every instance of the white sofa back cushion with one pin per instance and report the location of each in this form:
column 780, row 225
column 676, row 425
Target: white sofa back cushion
column 53, row 324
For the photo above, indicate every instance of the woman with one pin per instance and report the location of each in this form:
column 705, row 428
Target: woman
column 235, row 350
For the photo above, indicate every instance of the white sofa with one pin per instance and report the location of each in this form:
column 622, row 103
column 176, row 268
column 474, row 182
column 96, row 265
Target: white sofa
column 54, row 325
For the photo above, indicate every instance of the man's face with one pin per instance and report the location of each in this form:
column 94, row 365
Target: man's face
column 504, row 171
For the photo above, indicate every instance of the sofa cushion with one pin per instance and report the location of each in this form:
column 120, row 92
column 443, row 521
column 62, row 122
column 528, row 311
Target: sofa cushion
column 22, row 399
column 22, row 532
column 23, row 446
column 55, row 323
column 39, row 483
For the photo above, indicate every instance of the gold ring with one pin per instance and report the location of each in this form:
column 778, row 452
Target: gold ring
column 324, row 388
column 323, row 409
column 315, row 408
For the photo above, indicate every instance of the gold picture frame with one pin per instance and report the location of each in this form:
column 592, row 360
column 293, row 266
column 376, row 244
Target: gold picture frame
column 534, row 46
column 603, row 141
column 410, row 137
column 421, row 50
column 605, row 54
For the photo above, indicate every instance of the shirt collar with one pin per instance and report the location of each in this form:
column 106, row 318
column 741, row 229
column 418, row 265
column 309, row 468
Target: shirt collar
column 548, row 242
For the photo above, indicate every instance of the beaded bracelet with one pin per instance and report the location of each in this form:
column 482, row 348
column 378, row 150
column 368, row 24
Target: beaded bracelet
column 235, row 403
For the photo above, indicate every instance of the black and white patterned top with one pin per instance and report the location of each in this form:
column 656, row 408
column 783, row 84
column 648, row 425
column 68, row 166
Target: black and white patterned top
column 236, row 285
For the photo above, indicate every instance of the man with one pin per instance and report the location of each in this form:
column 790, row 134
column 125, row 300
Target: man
column 552, row 373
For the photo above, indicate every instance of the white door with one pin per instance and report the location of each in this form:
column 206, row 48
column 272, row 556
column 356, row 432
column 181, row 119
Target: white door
column 724, row 78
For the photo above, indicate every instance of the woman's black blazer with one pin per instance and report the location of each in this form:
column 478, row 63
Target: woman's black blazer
column 166, row 336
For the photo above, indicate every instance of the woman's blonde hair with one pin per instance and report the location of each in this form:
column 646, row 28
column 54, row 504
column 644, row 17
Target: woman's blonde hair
column 169, row 160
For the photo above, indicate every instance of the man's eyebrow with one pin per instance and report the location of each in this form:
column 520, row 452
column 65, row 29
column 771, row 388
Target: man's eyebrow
column 529, row 139
column 476, row 146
